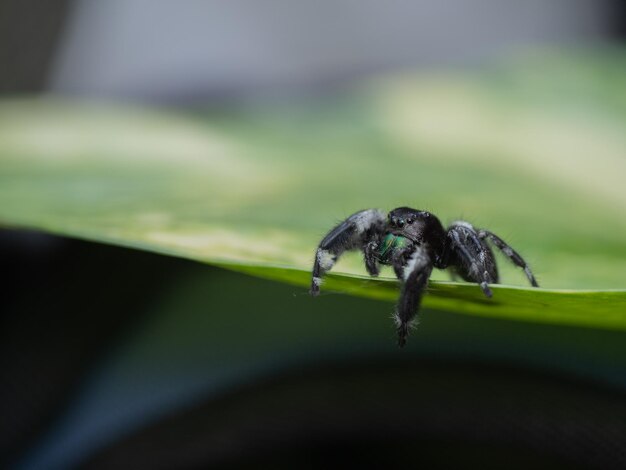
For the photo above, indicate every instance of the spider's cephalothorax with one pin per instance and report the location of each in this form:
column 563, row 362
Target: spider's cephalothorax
column 414, row 242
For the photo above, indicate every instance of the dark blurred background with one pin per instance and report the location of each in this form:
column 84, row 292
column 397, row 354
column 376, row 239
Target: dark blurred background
column 112, row 358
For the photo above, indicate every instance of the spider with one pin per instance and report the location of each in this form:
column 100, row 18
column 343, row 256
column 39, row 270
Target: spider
column 414, row 242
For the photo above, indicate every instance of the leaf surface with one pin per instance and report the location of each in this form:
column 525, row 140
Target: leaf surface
column 535, row 153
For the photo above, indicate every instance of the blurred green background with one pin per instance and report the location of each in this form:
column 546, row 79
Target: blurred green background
column 126, row 164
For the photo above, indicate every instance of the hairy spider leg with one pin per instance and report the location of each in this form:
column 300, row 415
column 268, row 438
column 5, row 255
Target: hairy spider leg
column 510, row 253
column 371, row 256
column 475, row 259
column 415, row 279
column 356, row 232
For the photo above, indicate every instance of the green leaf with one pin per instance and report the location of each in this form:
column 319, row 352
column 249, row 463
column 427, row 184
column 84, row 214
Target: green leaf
column 535, row 151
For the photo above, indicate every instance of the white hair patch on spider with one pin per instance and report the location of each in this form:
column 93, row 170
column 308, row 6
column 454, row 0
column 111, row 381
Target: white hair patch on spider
column 474, row 269
column 325, row 259
column 398, row 321
column 463, row 223
column 365, row 219
column 419, row 259
column 317, row 281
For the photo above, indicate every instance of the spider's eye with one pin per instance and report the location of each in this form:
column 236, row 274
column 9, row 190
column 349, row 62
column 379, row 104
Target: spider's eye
column 410, row 221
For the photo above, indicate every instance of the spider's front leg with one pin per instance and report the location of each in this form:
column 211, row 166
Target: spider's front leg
column 415, row 277
column 361, row 230
column 370, row 256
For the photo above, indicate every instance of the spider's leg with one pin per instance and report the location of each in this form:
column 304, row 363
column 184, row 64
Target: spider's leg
column 415, row 278
column 353, row 233
column 509, row 253
column 474, row 259
column 370, row 255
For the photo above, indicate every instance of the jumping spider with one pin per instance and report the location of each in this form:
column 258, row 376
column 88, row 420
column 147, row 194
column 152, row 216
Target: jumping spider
column 414, row 242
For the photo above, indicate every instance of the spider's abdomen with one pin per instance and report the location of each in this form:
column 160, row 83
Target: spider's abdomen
column 390, row 245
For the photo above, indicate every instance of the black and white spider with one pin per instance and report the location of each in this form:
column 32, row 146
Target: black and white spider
column 414, row 242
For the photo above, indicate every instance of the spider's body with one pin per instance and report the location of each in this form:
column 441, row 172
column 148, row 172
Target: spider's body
column 414, row 242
